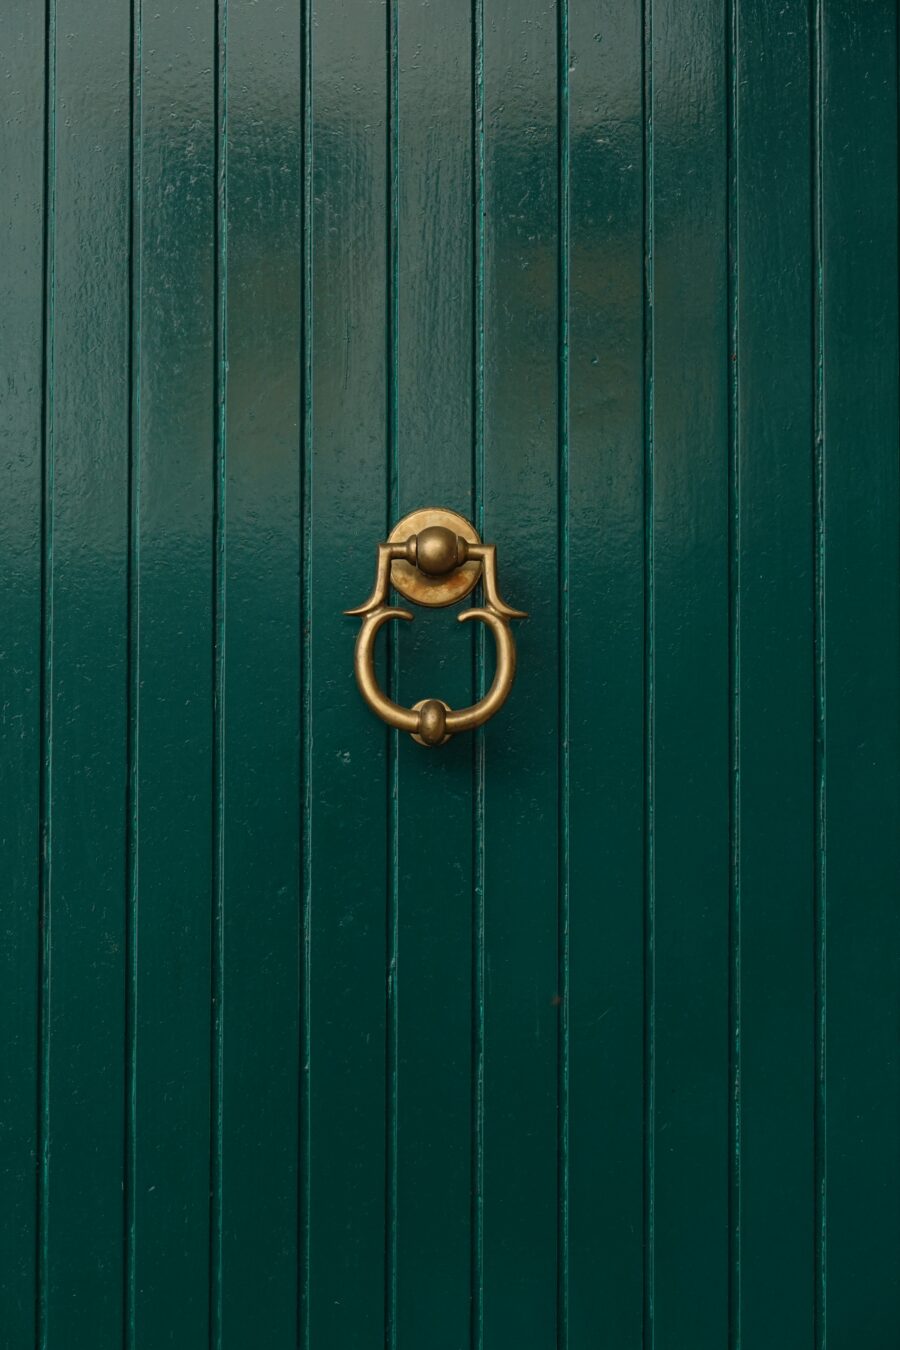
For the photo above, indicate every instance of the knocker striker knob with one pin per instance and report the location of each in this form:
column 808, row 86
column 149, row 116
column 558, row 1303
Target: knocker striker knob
column 435, row 557
column 432, row 722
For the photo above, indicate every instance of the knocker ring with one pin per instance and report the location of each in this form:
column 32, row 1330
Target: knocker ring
column 434, row 557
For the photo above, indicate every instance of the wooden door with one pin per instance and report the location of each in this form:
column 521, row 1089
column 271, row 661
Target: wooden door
column 580, row 1031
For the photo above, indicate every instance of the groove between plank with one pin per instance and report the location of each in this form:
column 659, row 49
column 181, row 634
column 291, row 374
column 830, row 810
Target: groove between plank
column 305, row 766
column 564, row 685
column 819, row 780
column 133, row 677
column 478, row 759
column 649, row 895
column 391, row 736
column 46, row 681
column 734, row 676
column 219, row 605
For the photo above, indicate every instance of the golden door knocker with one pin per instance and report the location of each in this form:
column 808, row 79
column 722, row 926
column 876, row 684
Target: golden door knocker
column 434, row 557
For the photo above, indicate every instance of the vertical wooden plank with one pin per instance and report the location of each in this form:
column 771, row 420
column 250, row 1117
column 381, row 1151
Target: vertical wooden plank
column 347, row 864
column 772, row 618
column 172, row 617
column 605, row 527
column 259, row 643
column 689, row 678
column 433, row 421
column 22, row 225
column 86, row 682
column 521, row 998
column 859, row 628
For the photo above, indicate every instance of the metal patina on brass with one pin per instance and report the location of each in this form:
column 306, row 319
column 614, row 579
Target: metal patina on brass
column 432, row 721
column 434, row 557
column 417, row 582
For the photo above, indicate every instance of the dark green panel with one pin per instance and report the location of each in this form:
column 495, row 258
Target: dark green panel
column 347, row 748
column 173, row 569
column 577, row 1032
column 258, row 631
column 688, row 679
column 432, row 863
column 603, row 524
column 86, row 680
column 859, row 682
column 772, row 673
column 518, row 948
column 22, row 224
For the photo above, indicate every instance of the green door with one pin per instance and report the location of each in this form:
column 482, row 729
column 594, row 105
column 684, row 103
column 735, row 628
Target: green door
column 582, row 1031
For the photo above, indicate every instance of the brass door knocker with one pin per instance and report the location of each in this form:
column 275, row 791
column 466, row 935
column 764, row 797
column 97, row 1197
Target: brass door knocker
column 435, row 557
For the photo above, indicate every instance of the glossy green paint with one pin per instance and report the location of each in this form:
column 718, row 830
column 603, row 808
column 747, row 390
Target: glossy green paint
column 258, row 686
column 22, row 216
column 772, row 493
column 858, row 700
column 687, row 675
column 80, row 1248
column 579, row 1032
column 175, row 750
column 432, row 828
column 604, row 648
column 518, row 1013
column 347, row 846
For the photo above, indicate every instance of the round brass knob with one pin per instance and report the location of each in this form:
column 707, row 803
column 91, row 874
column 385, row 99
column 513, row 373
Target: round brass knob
column 435, row 567
column 439, row 550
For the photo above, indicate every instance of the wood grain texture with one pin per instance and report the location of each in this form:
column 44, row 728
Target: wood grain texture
column 577, row 1032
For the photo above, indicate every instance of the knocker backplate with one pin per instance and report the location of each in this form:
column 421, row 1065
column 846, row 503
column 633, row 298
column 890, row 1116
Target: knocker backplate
column 434, row 591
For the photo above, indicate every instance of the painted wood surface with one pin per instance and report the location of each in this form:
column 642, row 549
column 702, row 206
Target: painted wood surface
column 581, row 1031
